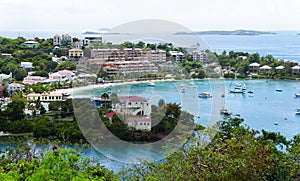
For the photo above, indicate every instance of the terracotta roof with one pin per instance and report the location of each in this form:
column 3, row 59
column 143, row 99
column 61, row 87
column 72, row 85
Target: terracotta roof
column 133, row 98
column 110, row 114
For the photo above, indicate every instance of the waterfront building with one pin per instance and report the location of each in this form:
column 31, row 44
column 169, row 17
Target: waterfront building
column 296, row 70
column 254, row 67
column 265, row 69
column 176, row 56
column 280, row 70
column 135, row 111
column 44, row 97
column 156, row 55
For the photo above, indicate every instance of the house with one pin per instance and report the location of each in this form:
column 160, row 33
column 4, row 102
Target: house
column 30, row 44
column 135, row 111
column 27, row 65
column 254, row 67
column 6, row 55
column 176, row 56
column 280, row 70
column 265, row 69
column 75, row 53
column 156, row 55
column 56, row 40
column 296, row 70
column 92, row 39
column 13, row 87
column 33, row 80
column 5, row 76
column 62, row 75
column 44, row 97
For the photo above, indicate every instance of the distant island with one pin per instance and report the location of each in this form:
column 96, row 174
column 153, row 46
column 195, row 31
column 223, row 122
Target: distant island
column 91, row 32
column 235, row 32
column 298, row 33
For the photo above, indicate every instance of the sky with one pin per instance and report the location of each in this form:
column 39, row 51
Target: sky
column 83, row 15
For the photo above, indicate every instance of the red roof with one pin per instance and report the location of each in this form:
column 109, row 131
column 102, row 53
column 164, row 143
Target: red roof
column 133, row 98
column 110, row 114
column 1, row 88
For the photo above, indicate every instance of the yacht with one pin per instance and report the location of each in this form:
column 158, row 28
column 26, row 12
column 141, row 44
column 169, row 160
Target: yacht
column 237, row 90
column 297, row 112
column 297, row 94
column 151, row 84
column 205, row 95
column 224, row 111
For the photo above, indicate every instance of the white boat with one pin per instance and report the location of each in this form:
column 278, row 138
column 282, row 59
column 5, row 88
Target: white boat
column 244, row 87
column 297, row 112
column 183, row 89
column 297, row 94
column 224, row 111
column 151, row 84
column 278, row 90
column 205, row 95
column 237, row 90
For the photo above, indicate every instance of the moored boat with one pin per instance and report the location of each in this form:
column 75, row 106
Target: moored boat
column 297, row 95
column 205, row 95
column 224, row 111
column 237, row 90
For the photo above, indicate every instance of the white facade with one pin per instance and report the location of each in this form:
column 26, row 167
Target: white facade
column 176, row 56
column 199, row 56
column 45, row 97
column 26, row 65
column 136, row 111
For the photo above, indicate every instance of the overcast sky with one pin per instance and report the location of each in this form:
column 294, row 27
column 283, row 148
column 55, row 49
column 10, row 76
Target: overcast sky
column 82, row 15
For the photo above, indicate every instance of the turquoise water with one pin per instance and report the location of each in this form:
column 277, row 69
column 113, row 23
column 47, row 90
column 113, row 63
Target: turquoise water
column 260, row 110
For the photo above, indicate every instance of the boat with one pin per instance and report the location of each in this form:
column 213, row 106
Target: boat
column 297, row 94
column 297, row 112
column 244, row 87
column 223, row 95
column 250, row 91
column 151, row 84
column 276, row 123
column 183, row 89
column 195, row 87
column 224, row 111
column 205, row 95
column 278, row 90
column 237, row 90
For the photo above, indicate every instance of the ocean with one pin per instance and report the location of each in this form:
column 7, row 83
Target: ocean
column 283, row 45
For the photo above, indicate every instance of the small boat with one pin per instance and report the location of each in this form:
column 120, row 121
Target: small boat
column 225, row 112
column 278, row 90
column 205, row 95
column 237, row 90
column 183, row 89
column 223, row 95
column 250, row 91
column 151, row 84
column 195, row 87
column 275, row 123
column 297, row 94
column 244, row 87
column 297, row 112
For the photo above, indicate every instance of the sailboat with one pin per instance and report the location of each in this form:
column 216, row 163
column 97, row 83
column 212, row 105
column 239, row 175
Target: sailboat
column 238, row 88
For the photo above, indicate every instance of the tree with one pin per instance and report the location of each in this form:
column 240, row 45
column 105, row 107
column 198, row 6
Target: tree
column 65, row 66
column 15, row 110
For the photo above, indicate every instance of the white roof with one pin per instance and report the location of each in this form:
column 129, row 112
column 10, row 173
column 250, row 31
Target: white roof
column 255, row 64
column 296, row 67
column 280, row 67
column 265, row 67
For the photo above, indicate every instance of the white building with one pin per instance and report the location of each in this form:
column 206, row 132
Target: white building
column 45, row 97
column 33, row 80
column 199, row 56
column 27, row 65
column 176, row 56
column 15, row 87
column 136, row 111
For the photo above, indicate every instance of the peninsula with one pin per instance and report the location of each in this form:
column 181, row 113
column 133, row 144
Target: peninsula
column 235, row 32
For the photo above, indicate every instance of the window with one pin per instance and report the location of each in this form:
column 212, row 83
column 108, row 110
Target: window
column 129, row 103
column 141, row 123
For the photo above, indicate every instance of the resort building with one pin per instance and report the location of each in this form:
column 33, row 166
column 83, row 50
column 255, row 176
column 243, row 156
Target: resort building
column 62, row 75
column 280, row 70
column 265, row 69
column 176, row 56
column 45, row 97
column 33, row 80
column 199, row 56
column 254, row 67
column 135, row 111
column 156, row 55
column 296, row 70
column 75, row 53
